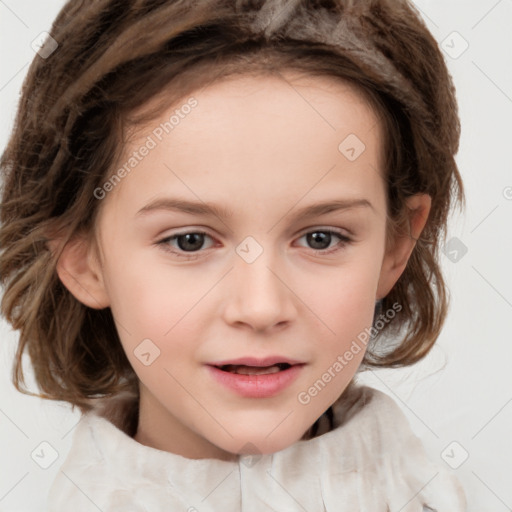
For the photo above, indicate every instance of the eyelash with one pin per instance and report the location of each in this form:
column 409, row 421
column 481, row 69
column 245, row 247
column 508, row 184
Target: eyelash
column 164, row 244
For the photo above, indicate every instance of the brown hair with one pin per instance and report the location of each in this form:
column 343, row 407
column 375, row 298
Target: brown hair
column 112, row 58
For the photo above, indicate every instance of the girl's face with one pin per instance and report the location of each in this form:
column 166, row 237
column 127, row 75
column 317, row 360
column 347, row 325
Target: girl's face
column 251, row 226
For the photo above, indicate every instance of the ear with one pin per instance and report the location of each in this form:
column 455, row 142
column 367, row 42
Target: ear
column 80, row 271
column 396, row 257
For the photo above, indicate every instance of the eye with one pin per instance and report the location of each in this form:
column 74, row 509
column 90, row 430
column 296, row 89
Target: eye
column 320, row 240
column 185, row 244
column 188, row 242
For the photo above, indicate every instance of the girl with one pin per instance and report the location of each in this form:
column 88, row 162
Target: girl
column 214, row 215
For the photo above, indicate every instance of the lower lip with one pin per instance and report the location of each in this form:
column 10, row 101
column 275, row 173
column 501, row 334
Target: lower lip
column 257, row 386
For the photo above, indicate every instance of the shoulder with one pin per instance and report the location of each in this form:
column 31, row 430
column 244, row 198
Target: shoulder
column 370, row 410
column 376, row 431
column 99, row 468
column 106, row 469
column 84, row 465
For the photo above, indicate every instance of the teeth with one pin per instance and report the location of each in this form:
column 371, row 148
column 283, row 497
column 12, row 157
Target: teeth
column 253, row 370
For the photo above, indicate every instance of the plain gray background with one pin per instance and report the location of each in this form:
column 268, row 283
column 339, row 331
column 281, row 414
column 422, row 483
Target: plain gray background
column 459, row 399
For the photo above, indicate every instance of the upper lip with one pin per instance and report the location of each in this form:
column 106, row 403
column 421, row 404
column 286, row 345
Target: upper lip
column 255, row 361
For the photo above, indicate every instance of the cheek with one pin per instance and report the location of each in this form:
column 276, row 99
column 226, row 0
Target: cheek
column 149, row 298
column 347, row 306
column 346, row 294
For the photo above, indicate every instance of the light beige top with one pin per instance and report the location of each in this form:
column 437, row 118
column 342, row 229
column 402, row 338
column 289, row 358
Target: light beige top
column 370, row 462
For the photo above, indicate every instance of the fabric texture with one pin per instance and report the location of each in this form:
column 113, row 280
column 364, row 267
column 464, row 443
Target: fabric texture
column 370, row 462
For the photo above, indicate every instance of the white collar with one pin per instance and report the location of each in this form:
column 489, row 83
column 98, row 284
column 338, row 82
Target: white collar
column 371, row 462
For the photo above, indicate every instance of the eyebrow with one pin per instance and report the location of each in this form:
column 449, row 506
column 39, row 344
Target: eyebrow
column 210, row 209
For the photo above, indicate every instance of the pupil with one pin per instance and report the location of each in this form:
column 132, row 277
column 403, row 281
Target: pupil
column 319, row 237
column 193, row 241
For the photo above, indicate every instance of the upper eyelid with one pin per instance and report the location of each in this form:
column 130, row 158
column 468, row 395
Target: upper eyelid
column 302, row 232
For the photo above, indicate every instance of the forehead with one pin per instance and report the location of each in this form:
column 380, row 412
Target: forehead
column 322, row 100
column 259, row 137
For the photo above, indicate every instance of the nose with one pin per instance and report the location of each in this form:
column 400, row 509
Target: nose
column 258, row 295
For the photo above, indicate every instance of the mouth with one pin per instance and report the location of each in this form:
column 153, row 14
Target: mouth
column 241, row 369
column 256, row 378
